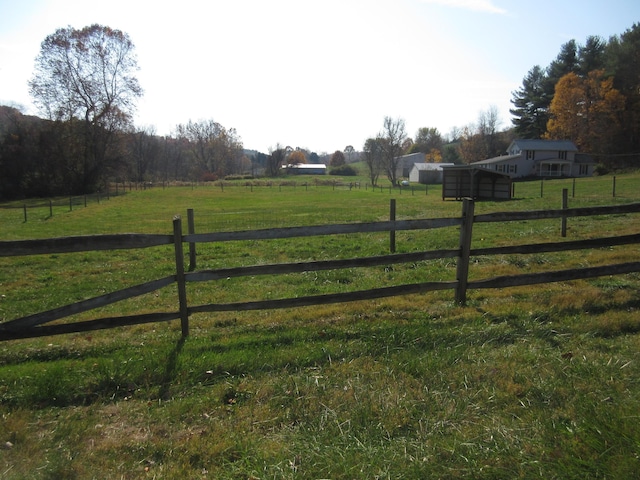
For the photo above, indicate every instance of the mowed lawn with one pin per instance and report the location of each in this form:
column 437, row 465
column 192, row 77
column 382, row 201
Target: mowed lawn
column 526, row 382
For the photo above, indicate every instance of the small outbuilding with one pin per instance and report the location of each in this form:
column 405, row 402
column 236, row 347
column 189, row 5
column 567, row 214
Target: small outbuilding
column 427, row 173
column 460, row 181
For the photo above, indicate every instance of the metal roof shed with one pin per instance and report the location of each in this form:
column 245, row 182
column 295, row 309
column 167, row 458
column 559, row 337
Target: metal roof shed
column 467, row 181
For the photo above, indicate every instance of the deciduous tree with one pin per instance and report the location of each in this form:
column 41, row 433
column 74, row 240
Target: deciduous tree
column 587, row 111
column 373, row 157
column 349, row 150
column 297, row 157
column 86, row 79
column 275, row 160
column 337, row 159
column 392, row 137
column 215, row 149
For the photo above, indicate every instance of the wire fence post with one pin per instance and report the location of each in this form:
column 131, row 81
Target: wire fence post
column 466, row 229
column 180, row 277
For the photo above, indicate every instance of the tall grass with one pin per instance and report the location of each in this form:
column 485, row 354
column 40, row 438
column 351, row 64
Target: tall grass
column 535, row 382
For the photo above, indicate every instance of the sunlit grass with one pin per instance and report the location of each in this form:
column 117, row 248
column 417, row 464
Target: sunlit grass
column 526, row 382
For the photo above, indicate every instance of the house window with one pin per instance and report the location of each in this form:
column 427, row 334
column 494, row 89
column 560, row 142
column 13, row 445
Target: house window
column 531, row 155
column 513, row 168
column 563, row 155
column 584, row 169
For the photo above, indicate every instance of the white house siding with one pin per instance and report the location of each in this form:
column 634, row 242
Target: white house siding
column 541, row 158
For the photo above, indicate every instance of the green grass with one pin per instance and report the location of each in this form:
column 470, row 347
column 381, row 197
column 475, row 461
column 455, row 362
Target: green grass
column 528, row 382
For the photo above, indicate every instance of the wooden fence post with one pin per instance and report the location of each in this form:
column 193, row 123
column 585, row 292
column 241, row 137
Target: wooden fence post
column 25, row 212
column 614, row 186
column 191, row 226
column 392, row 231
column 180, row 277
column 466, row 229
column 565, row 195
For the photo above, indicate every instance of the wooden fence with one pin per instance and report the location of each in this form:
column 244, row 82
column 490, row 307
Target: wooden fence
column 39, row 324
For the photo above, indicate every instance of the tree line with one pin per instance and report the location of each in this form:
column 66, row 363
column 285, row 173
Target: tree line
column 85, row 89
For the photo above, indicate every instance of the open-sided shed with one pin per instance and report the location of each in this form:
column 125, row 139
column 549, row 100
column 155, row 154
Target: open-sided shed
column 462, row 181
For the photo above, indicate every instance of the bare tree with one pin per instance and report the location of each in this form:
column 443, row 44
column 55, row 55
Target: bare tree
column 349, row 151
column 392, row 138
column 275, row 160
column 373, row 157
column 215, row 149
column 85, row 79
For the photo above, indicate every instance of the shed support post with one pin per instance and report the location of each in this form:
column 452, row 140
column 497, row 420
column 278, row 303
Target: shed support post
column 466, row 229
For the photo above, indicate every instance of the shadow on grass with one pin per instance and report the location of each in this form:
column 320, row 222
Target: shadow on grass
column 170, row 370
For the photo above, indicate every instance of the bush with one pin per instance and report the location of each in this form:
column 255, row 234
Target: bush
column 344, row 170
column 208, row 177
column 601, row 169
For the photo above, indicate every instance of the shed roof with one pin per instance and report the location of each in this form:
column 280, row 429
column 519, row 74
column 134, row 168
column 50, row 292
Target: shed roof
column 474, row 169
column 491, row 161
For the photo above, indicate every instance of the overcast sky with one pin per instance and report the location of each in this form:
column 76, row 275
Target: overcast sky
column 317, row 74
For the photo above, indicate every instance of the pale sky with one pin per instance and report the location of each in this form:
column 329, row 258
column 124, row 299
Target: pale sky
column 317, row 74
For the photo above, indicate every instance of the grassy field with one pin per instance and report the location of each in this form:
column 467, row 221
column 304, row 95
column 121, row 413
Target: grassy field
column 531, row 382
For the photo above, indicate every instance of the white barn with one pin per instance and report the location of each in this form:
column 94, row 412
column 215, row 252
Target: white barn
column 427, row 173
column 306, row 168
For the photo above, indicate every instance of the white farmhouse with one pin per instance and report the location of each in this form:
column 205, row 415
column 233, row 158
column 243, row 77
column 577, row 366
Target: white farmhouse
column 540, row 158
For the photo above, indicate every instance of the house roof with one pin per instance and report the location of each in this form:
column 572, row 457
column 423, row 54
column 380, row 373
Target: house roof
column 431, row 166
column 560, row 145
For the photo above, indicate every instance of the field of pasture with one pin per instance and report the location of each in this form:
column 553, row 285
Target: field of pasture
column 524, row 382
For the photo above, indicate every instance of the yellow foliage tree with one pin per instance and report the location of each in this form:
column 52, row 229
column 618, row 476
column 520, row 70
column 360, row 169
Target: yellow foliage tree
column 587, row 111
column 434, row 156
column 297, row 157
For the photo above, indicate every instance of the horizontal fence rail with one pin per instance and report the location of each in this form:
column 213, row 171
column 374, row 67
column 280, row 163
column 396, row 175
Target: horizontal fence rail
column 36, row 325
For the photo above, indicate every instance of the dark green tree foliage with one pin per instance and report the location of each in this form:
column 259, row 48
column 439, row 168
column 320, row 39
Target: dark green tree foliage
column 426, row 140
column 591, row 55
column 531, row 102
column 623, row 60
column 565, row 62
